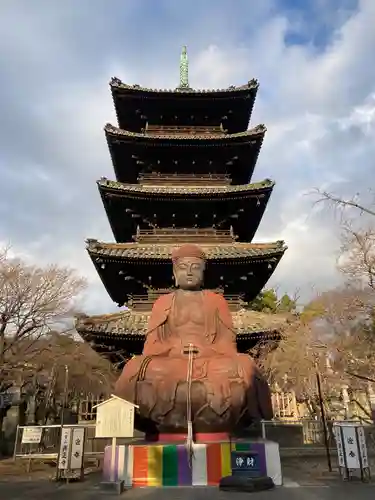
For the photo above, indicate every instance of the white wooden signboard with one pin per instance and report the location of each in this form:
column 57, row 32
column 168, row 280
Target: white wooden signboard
column 351, row 446
column 362, row 446
column 115, row 418
column 65, row 445
column 32, row 435
column 349, row 437
column 339, row 446
column 76, row 453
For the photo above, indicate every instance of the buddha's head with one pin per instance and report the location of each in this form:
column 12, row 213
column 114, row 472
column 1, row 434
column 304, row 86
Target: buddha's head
column 188, row 267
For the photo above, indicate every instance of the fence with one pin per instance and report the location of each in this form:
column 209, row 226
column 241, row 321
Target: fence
column 306, row 433
column 291, row 434
column 48, row 447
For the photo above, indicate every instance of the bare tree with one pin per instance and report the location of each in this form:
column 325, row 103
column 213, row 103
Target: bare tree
column 338, row 202
column 297, row 357
column 357, row 257
column 88, row 373
column 333, row 336
column 354, row 310
column 33, row 301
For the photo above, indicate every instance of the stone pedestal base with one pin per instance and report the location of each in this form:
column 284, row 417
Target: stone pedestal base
column 157, row 464
column 116, row 487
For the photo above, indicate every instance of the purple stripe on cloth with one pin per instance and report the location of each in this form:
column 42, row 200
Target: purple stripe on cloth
column 184, row 470
column 260, row 448
column 107, row 463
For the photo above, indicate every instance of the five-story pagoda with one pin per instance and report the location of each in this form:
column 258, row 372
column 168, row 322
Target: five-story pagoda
column 183, row 162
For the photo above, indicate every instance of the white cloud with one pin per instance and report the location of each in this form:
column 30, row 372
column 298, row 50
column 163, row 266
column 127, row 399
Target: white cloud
column 318, row 106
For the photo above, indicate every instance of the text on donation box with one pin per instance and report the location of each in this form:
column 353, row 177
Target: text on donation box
column 115, row 419
column 245, row 463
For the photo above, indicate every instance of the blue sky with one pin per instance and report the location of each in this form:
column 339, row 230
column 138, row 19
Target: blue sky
column 314, row 61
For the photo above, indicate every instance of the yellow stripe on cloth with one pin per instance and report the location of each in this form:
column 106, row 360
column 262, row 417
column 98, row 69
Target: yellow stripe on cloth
column 226, row 469
column 155, row 466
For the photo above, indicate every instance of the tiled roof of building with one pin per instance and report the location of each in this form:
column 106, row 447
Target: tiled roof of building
column 135, row 323
column 116, row 83
column 164, row 252
column 186, row 189
column 257, row 131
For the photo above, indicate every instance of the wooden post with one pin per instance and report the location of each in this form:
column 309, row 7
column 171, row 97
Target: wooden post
column 113, row 459
column 324, row 420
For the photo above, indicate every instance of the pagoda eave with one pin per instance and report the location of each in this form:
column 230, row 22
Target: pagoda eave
column 123, row 334
column 134, row 207
column 235, row 252
column 193, row 192
column 129, row 268
column 236, row 157
column 247, row 136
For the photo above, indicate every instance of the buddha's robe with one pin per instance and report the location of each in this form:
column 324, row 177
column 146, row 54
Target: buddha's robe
column 223, row 380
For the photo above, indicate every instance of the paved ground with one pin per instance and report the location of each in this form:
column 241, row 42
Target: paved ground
column 50, row 491
column 304, row 478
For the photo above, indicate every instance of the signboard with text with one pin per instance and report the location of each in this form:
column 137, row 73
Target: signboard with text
column 31, row 435
column 115, row 418
column 351, row 448
column 245, row 463
column 76, row 452
column 65, row 445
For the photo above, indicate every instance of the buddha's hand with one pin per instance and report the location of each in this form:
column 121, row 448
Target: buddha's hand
column 198, row 350
column 190, row 348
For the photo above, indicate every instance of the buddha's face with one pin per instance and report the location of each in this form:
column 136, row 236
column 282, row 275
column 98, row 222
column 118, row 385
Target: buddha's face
column 188, row 273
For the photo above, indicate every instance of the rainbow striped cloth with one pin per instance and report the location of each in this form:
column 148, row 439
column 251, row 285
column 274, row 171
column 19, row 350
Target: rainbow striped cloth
column 167, row 464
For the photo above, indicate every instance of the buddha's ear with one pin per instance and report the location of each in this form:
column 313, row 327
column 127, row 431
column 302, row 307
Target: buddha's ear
column 175, row 277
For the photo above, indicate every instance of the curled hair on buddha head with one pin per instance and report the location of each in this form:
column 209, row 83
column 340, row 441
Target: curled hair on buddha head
column 188, row 250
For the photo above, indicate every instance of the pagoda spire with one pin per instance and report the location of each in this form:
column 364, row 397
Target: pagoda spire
column 184, row 69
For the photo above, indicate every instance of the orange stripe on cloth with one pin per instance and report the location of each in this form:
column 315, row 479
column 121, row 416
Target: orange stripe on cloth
column 140, row 467
column 213, row 453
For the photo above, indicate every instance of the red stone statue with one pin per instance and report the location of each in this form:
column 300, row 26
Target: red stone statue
column 190, row 360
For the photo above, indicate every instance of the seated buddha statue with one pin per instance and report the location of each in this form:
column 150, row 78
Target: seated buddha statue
column 190, row 334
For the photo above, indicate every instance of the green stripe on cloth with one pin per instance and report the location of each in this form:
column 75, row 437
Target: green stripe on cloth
column 170, row 466
column 243, row 446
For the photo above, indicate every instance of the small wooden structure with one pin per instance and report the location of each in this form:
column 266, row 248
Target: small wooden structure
column 115, row 419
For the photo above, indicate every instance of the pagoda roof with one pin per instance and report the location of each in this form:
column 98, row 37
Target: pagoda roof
column 236, row 208
column 188, row 138
column 171, row 191
column 129, row 322
column 126, row 331
column 116, row 83
column 227, row 252
column 133, row 153
column 135, row 105
column 128, row 269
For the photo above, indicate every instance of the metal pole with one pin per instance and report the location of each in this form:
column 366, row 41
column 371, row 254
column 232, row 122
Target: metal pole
column 324, row 421
column 16, row 443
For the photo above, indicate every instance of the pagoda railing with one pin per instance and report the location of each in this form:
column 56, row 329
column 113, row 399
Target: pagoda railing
column 145, row 302
column 161, row 130
column 156, row 178
column 184, row 235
